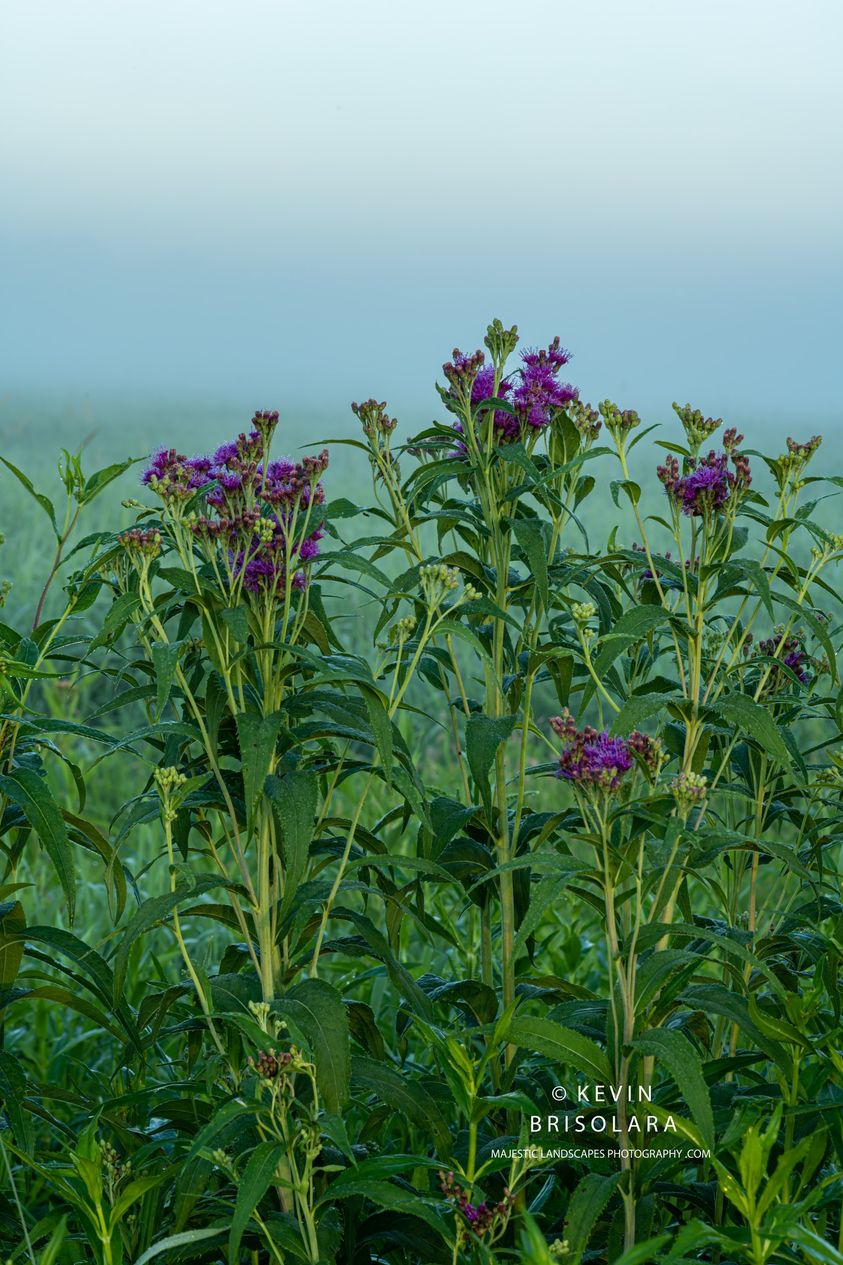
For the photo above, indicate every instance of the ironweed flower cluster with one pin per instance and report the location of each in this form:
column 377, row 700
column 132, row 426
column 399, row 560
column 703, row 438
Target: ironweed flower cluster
column 707, row 486
column 598, row 760
column 534, row 390
column 258, row 522
column 689, row 791
column 789, row 649
column 619, row 422
column 143, row 542
column 586, row 419
column 270, row 1063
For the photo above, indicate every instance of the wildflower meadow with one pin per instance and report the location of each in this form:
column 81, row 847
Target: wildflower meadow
column 446, row 876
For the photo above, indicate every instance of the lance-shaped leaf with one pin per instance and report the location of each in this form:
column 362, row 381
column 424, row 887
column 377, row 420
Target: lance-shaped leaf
column 317, row 1011
column 587, row 1204
column 677, row 1054
column 294, row 799
column 258, row 735
column 32, row 795
column 254, row 1183
column 756, row 721
column 563, row 1046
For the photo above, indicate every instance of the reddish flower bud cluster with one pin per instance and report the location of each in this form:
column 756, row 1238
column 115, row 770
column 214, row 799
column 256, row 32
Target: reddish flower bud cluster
column 462, row 370
column 790, row 651
column 806, row 449
column 374, row 418
column 270, row 1063
column 585, row 418
column 618, row 421
column 264, row 422
column 139, row 541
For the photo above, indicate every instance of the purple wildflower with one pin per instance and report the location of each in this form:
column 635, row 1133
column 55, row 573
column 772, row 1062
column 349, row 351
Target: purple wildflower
column 260, row 513
column 483, row 388
column 791, row 652
column 594, row 759
column 482, row 1219
column 534, row 390
column 708, row 485
column 539, row 394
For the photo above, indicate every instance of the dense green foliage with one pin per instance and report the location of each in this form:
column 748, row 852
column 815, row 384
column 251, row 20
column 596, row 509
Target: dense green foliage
column 375, row 832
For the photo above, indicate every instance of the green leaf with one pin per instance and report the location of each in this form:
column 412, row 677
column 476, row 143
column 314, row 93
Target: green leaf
column 236, row 620
column 640, row 708
column 118, row 616
column 447, row 817
column 12, row 927
column 317, row 1010
column 531, row 537
column 255, row 1181
column 542, row 897
column 165, row 658
column 586, row 1206
column 381, row 727
column 153, row 911
column 294, row 799
column 561, row 1045
column 821, row 1251
column 32, row 795
column 404, row 1096
column 676, row 1052
column 483, row 736
column 12, row 1094
column 632, row 490
column 643, row 1253
column 257, row 735
column 396, row 1199
column 44, row 501
column 179, row 1240
column 101, row 478
column 756, row 721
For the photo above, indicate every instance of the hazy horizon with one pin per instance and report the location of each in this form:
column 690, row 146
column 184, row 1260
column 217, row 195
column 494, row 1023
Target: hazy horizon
column 264, row 205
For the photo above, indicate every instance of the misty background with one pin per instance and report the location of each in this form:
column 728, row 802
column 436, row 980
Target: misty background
column 211, row 207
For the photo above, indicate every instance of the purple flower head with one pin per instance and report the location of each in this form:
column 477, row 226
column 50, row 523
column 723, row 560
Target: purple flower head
column 791, row 652
column 708, row 485
column 794, row 660
column 553, row 358
column 226, row 453
column 539, row 395
column 176, row 477
column 598, row 760
column 483, row 388
column 534, row 390
column 262, row 517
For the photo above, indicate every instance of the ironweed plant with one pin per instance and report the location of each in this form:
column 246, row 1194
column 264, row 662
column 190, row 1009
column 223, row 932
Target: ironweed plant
column 474, row 890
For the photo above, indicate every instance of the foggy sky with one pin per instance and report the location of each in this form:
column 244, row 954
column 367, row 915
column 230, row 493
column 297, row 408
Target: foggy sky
column 300, row 204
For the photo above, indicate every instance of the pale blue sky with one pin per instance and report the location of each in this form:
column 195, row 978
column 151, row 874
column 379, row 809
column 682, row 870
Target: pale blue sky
column 300, row 204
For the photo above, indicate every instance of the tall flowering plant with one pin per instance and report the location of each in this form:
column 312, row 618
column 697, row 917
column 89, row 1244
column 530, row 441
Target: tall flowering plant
column 682, row 780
